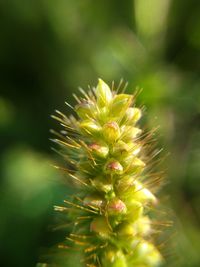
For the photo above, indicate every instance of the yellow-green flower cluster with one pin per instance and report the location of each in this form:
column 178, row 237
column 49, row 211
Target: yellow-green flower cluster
column 103, row 148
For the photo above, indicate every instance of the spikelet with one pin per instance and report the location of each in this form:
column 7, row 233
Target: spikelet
column 105, row 160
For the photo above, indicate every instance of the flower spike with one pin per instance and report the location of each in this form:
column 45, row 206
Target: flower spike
column 110, row 211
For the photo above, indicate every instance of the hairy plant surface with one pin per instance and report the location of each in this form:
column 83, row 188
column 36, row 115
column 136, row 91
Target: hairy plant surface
column 104, row 152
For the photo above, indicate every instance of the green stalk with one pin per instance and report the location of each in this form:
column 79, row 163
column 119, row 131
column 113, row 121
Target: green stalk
column 104, row 152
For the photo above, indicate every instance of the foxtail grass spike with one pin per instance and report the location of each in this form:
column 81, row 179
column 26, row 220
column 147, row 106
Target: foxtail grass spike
column 105, row 161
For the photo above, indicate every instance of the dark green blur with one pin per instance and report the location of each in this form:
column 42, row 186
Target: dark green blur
column 49, row 48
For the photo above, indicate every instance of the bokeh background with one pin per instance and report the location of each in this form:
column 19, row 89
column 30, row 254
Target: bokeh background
column 49, row 48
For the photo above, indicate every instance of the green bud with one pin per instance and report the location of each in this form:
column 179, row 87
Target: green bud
column 102, row 115
column 113, row 167
column 146, row 253
column 126, row 229
column 143, row 226
column 114, row 258
column 135, row 149
column 142, row 194
column 103, row 93
column 90, row 127
column 126, row 150
column 100, row 226
column 111, row 131
column 99, row 150
column 134, row 165
column 119, row 105
column 135, row 210
column 134, row 161
column 121, row 149
column 124, row 183
column 85, row 109
column 132, row 115
column 154, row 258
column 130, row 133
column 93, row 200
column 116, row 207
column 101, row 184
column 109, row 256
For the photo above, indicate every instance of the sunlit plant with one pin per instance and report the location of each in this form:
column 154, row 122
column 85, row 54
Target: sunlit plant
column 108, row 159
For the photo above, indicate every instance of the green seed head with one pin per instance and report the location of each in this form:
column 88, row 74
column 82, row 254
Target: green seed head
column 105, row 158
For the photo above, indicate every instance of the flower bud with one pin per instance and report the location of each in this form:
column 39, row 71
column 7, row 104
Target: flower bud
column 113, row 167
column 154, row 258
column 85, row 109
column 119, row 105
column 126, row 229
column 116, row 207
column 121, row 149
column 103, row 93
column 93, row 200
column 102, row 184
column 114, row 258
column 124, row 183
column 130, row 133
column 102, row 115
column 135, row 210
column 111, row 131
column 142, row 194
column 101, row 151
column 134, row 165
column 90, row 127
column 147, row 254
column 143, row 226
column 100, row 226
column 136, row 149
column 132, row 115
column 126, row 150
column 138, row 162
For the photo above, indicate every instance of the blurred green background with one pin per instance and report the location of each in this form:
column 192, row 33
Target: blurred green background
column 49, row 48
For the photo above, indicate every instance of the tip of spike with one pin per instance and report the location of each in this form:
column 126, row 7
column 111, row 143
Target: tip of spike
column 104, row 94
